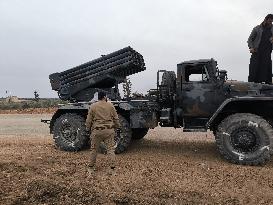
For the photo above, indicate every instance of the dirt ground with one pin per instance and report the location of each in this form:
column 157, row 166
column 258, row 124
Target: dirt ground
column 166, row 167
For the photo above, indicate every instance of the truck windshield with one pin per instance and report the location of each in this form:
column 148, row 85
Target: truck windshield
column 197, row 73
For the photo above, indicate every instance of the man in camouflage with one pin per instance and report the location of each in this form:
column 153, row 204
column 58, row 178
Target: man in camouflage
column 102, row 120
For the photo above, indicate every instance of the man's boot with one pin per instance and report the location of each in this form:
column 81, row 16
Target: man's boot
column 91, row 170
column 112, row 171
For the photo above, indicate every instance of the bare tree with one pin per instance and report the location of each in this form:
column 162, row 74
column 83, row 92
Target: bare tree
column 36, row 96
column 127, row 88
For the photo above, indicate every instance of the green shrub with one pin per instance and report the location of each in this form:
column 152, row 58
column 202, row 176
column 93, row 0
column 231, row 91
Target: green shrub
column 42, row 103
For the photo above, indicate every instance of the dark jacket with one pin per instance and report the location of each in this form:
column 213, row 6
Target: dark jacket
column 255, row 37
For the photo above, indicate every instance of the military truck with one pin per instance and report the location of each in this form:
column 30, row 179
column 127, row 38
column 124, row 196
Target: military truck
column 198, row 98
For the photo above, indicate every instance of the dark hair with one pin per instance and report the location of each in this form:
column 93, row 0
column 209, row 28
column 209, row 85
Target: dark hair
column 268, row 16
column 101, row 95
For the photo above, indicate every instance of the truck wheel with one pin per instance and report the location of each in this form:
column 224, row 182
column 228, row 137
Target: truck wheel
column 124, row 137
column 168, row 84
column 139, row 133
column 70, row 132
column 245, row 139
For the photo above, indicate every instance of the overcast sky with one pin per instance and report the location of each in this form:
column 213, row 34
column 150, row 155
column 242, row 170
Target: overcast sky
column 40, row 37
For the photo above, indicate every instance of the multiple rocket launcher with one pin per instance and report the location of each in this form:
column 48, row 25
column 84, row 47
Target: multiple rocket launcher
column 103, row 72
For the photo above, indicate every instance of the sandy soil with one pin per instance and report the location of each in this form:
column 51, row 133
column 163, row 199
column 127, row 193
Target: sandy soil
column 166, row 167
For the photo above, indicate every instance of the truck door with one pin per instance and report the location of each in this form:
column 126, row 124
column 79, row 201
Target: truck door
column 198, row 97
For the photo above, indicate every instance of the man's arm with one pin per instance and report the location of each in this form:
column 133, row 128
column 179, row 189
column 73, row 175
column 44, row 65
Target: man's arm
column 115, row 118
column 251, row 38
column 89, row 119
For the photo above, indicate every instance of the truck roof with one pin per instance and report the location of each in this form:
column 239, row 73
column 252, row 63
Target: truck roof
column 197, row 61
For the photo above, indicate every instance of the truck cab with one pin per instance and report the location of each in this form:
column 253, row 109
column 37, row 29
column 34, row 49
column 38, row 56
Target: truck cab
column 196, row 95
column 199, row 92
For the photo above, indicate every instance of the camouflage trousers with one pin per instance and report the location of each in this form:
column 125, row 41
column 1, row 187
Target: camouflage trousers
column 106, row 136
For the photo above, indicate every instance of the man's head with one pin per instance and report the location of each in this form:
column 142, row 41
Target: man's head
column 268, row 20
column 101, row 95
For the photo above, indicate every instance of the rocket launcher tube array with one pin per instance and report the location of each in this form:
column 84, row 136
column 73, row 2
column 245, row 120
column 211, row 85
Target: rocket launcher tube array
column 118, row 64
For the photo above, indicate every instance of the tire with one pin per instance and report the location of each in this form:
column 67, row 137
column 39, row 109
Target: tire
column 168, row 80
column 245, row 139
column 168, row 84
column 69, row 132
column 124, row 137
column 139, row 133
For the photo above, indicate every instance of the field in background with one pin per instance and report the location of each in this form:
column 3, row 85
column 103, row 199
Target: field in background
column 29, row 105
